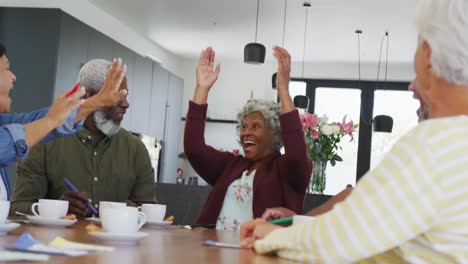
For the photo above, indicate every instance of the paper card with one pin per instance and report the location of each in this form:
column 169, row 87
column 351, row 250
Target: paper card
column 7, row 255
column 213, row 243
column 27, row 243
column 60, row 242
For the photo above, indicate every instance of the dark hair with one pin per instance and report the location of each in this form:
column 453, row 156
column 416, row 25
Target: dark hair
column 2, row 49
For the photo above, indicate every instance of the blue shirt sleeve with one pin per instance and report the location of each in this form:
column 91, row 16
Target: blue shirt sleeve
column 67, row 129
column 12, row 144
column 22, row 118
column 13, row 137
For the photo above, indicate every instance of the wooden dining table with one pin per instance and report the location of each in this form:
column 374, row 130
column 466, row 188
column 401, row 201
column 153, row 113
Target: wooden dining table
column 171, row 244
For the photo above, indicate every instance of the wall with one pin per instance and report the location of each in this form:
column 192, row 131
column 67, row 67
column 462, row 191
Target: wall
column 33, row 62
column 237, row 80
column 107, row 24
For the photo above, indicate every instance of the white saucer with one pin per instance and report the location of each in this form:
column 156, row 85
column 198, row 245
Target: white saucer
column 157, row 223
column 37, row 220
column 94, row 220
column 8, row 226
column 117, row 238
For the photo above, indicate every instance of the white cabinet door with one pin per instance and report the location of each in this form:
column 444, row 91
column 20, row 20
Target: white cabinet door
column 72, row 53
column 99, row 46
column 141, row 95
column 128, row 58
column 159, row 102
column 172, row 137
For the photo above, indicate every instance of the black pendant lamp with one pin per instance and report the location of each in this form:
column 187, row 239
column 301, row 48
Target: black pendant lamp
column 380, row 123
column 302, row 101
column 254, row 53
column 383, row 123
column 273, row 80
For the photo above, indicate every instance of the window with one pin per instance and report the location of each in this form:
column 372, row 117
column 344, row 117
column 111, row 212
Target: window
column 297, row 88
column 402, row 108
column 336, row 103
column 361, row 101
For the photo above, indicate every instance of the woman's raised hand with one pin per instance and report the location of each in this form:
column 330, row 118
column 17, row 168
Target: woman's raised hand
column 207, row 75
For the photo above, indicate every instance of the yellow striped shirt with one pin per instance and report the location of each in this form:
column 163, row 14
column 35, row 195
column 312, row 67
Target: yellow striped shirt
column 412, row 208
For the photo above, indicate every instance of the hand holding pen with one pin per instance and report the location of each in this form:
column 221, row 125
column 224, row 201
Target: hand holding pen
column 79, row 202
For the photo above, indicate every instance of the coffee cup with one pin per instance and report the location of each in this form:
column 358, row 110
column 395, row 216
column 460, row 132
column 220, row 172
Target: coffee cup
column 153, row 212
column 52, row 209
column 104, row 205
column 125, row 220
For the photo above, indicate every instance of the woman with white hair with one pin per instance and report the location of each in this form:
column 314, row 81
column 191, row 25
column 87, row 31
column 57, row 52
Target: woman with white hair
column 244, row 186
column 412, row 208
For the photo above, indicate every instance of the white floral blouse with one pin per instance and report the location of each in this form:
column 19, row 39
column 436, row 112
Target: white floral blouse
column 237, row 205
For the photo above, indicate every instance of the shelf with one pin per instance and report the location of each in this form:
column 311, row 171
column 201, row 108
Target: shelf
column 210, row 120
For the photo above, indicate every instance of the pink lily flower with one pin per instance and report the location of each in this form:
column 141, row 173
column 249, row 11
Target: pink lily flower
column 347, row 128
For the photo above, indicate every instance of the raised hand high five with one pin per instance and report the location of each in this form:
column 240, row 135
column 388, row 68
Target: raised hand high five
column 282, row 79
column 206, row 75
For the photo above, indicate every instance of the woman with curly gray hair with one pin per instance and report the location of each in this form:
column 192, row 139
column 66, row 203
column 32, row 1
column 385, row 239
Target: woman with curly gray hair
column 244, row 186
column 269, row 111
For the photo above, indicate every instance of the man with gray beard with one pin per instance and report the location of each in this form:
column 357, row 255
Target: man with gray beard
column 104, row 161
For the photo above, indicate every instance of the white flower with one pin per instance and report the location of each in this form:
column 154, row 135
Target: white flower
column 323, row 120
column 327, row 130
column 336, row 129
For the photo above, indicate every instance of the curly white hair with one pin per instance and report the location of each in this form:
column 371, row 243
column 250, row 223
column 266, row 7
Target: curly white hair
column 443, row 24
column 93, row 74
column 270, row 111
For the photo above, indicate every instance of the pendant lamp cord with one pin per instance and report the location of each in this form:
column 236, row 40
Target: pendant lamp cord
column 284, row 20
column 359, row 59
column 386, row 59
column 256, row 27
column 305, row 39
column 380, row 59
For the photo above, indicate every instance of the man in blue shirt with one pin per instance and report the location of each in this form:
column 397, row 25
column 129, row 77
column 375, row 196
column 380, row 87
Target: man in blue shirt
column 20, row 132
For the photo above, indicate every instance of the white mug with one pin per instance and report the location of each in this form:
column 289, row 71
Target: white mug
column 4, row 210
column 105, row 205
column 125, row 220
column 53, row 209
column 153, row 212
column 302, row 219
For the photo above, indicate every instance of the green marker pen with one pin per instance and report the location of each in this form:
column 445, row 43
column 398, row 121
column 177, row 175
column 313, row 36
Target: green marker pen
column 282, row 221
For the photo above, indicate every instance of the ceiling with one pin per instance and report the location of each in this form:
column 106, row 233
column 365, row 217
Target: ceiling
column 185, row 27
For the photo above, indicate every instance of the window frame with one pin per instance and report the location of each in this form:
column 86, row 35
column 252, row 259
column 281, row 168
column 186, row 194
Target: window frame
column 368, row 89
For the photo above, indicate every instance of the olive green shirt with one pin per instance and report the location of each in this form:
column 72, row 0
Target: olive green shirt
column 117, row 169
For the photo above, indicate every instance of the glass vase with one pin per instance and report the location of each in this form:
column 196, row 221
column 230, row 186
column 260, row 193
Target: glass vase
column 319, row 177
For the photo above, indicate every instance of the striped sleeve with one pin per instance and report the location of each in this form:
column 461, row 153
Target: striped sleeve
column 388, row 207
